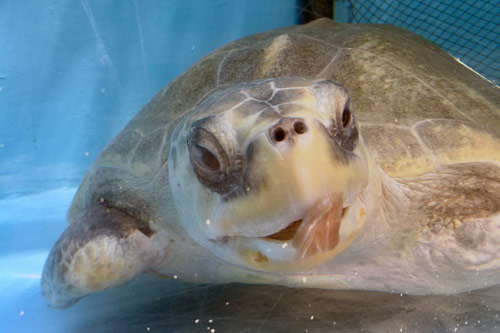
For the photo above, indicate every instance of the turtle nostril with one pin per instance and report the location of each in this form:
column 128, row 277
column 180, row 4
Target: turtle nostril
column 279, row 134
column 299, row 127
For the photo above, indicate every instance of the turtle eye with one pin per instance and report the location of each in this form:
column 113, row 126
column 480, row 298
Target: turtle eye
column 213, row 167
column 205, row 158
column 206, row 153
column 346, row 116
column 343, row 128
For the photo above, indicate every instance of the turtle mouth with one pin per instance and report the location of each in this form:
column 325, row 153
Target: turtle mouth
column 322, row 231
column 289, row 232
column 318, row 230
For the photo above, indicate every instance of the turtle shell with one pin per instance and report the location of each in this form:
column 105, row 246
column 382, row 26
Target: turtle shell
column 417, row 106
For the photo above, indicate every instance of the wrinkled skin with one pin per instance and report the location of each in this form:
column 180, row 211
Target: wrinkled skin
column 326, row 155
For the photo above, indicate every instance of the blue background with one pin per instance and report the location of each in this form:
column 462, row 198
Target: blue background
column 73, row 73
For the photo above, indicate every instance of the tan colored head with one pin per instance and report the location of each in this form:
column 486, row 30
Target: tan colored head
column 268, row 174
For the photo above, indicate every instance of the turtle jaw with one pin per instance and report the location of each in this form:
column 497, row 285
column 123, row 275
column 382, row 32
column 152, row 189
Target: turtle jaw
column 287, row 233
column 299, row 246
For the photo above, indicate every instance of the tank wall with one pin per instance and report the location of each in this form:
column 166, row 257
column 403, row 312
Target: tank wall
column 73, row 73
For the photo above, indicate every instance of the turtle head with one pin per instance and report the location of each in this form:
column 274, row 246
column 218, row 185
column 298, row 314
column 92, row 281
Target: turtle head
column 268, row 174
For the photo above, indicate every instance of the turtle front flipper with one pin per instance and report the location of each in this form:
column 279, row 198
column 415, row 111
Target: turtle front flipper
column 104, row 248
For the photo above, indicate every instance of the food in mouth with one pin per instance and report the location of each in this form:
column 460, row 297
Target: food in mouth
column 318, row 231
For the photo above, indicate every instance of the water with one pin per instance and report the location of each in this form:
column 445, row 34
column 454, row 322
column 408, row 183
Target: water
column 72, row 74
column 154, row 304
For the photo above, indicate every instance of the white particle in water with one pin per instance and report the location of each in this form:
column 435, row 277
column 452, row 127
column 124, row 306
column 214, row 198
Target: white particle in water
column 212, row 330
column 210, row 321
column 466, row 322
column 196, row 321
column 248, row 189
column 86, row 153
column 207, row 222
column 312, row 317
column 175, row 276
column 304, row 279
column 148, row 328
column 21, row 313
column 284, row 245
column 334, row 323
column 227, row 303
column 455, row 329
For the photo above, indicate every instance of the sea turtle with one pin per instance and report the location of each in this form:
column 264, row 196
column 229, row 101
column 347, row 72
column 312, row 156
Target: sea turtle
column 325, row 155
